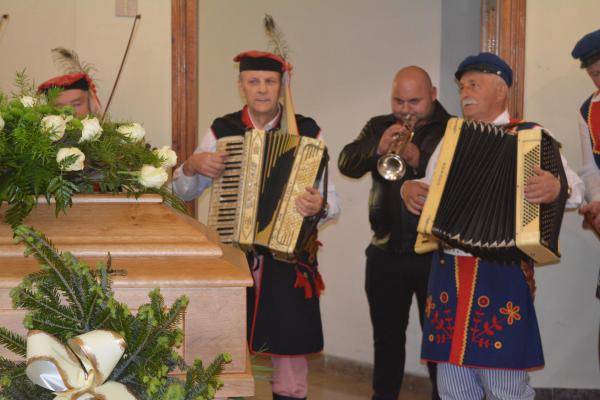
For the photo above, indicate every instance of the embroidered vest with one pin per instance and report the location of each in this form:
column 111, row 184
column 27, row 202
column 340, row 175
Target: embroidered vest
column 590, row 111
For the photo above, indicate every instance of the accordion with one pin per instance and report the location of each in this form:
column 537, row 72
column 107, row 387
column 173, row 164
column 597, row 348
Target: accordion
column 476, row 200
column 253, row 202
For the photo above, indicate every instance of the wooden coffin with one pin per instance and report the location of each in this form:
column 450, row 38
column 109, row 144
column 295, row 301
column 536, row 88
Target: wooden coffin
column 159, row 247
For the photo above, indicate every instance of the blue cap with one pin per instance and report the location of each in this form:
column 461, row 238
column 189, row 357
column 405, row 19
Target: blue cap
column 587, row 47
column 486, row 62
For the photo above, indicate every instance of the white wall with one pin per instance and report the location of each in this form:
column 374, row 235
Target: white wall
column 91, row 29
column 555, row 87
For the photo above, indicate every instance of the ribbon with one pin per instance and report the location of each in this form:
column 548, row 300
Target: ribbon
column 78, row 370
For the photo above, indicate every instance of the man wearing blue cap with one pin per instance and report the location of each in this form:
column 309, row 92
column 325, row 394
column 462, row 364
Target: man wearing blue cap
column 587, row 51
column 480, row 322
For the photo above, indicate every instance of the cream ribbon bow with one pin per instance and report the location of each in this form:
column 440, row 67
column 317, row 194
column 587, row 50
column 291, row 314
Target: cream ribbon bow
column 78, row 370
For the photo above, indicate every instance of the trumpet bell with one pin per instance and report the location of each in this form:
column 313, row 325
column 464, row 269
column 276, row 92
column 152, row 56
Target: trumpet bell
column 391, row 167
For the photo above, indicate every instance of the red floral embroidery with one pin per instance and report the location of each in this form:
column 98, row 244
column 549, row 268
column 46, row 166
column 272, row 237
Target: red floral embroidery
column 429, row 306
column 511, row 312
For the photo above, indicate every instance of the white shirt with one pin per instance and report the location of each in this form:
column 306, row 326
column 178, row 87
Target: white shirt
column 576, row 184
column 190, row 187
column 589, row 170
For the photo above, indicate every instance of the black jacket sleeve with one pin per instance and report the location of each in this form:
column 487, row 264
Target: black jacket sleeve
column 360, row 156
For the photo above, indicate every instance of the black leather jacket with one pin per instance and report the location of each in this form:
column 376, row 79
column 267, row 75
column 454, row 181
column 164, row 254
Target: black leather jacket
column 394, row 227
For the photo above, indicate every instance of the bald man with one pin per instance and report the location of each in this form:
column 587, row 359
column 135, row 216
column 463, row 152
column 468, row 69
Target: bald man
column 393, row 271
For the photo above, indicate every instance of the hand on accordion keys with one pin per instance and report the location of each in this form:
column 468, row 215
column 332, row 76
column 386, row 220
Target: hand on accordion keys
column 542, row 188
column 413, row 194
column 208, row 164
column 310, row 202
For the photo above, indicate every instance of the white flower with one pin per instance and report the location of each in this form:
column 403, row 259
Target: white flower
column 28, row 101
column 168, row 156
column 152, row 177
column 1, row 123
column 133, row 131
column 65, row 152
column 91, row 129
column 55, row 125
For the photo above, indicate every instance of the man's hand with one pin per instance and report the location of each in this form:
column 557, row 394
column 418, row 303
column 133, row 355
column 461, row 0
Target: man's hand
column 390, row 137
column 542, row 188
column 591, row 211
column 414, row 194
column 411, row 155
column 208, row 164
column 310, row 202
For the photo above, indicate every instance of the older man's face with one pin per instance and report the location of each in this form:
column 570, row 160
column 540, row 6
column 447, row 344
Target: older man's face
column 261, row 90
column 594, row 73
column 482, row 96
column 76, row 98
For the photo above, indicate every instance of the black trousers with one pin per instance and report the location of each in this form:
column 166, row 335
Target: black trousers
column 391, row 280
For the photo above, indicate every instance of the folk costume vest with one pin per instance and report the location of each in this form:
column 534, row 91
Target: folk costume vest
column 590, row 111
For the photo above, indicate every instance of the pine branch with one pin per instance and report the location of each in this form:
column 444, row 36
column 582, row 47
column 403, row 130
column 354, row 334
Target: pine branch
column 46, row 254
column 13, row 342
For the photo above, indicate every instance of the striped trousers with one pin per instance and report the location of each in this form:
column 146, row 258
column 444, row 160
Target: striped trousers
column 464, row 383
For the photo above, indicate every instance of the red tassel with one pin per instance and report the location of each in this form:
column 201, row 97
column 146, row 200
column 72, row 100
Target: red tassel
column 302, row 282
column 320, row 285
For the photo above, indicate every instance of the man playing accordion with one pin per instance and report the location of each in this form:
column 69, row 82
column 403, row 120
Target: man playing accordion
column 480, row 323
column 284, row 319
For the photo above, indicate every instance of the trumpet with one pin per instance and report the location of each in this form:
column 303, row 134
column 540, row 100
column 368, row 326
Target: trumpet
column 390, row 165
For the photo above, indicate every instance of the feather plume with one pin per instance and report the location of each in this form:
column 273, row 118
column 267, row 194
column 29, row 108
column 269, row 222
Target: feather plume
column 276, row 40
column 70, row 62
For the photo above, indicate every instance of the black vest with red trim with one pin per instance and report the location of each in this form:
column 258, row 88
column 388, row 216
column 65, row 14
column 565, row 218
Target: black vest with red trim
column 237, row 123
column 590, row 111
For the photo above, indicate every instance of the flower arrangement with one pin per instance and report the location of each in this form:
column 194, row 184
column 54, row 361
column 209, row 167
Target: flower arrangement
column 71, row 306
column 46, row 151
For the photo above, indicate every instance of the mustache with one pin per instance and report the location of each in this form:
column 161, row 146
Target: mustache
column 469, row 102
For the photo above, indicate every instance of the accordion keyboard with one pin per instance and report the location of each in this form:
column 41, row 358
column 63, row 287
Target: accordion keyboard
column 224, row 197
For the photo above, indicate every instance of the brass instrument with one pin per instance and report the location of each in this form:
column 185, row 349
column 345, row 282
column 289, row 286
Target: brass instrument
column 390, row 165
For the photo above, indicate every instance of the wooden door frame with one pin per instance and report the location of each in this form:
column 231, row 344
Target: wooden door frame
column 184, row 80
column 503, row 33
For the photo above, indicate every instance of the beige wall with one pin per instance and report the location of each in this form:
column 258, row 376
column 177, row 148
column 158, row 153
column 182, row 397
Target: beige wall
column 91, row 29
column 555, row 87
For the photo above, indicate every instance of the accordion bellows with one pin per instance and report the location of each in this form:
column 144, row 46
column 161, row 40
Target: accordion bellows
column 253, row 202
column 476, row 199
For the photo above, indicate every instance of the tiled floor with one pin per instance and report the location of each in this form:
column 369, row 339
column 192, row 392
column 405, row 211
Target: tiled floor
column 333, row 384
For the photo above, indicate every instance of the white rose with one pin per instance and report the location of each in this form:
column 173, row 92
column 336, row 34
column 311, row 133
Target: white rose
column 65, row 152
column 91, row 129
column 1, row 123
column 152, row 177
column 28, row 101
column 168, row 156
column 133, row 131
column 55, row 125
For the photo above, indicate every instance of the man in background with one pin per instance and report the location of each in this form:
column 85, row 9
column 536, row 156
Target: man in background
column 394, row 273
column 78, row 92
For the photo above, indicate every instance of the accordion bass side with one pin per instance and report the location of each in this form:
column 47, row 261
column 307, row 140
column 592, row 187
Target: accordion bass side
column 476, row 199
column 253, row 202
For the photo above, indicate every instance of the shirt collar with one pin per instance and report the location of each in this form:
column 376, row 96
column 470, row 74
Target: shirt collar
column 502, row 119
column 270, row 125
